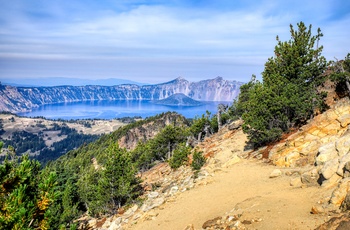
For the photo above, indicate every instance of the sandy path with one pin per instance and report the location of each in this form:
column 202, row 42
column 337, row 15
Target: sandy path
column 247, row 186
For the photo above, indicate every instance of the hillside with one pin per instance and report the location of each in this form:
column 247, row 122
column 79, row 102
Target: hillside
column 21, row 99
column 46, row 139
column 241, row 189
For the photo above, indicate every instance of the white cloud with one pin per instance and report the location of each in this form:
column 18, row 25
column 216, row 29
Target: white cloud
column 162, row 37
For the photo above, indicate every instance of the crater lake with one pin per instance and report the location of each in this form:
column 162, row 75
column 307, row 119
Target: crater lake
column 107, row 109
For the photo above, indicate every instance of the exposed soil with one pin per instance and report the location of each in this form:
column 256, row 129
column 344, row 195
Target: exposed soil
column 243, row 188
column 273, row 203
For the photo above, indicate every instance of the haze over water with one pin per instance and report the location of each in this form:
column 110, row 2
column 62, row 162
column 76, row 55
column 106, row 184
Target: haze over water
column 116, row 109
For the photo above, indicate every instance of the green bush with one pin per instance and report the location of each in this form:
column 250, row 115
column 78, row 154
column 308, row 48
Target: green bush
column 198, row 160
column 180, row 156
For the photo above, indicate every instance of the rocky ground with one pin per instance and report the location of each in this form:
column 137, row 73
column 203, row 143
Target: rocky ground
column 300, row 183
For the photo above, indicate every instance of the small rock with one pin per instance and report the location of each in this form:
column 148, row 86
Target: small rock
column 308, row 180
column 276, row 173
column 317, row 209
column 114, row 226
column 246, row 222
column 295, row 182
column 210, row 223
column 232, row 218
column 291, row 158
column 235, row 159
column 152, row 204
column 189, row 227
column 235, row 125
column 174, row 190
column 153, row 195
column 130, row 211
column 137, row 216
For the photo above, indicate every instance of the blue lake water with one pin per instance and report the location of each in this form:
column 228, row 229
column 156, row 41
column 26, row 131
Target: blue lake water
column 116, row 109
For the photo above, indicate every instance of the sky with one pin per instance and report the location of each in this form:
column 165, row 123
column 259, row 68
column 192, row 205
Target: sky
column 158, row 40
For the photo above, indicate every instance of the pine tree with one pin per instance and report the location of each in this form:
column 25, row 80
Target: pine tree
column 114, row 184
column 26, row 194
column 288, row 95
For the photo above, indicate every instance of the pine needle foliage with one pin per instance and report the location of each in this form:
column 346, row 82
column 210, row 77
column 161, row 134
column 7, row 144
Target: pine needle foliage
column 288, row 95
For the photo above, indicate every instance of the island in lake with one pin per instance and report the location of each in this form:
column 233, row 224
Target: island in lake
column 178, row 99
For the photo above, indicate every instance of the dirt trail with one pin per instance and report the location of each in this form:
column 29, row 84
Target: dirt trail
column 246, row 186
column 240, row 188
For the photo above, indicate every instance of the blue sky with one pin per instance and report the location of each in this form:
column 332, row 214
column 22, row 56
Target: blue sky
column 156, row 41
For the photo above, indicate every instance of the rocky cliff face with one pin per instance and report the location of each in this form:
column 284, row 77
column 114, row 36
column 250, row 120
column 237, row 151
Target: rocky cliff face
column 20, row 99
column 149, row 130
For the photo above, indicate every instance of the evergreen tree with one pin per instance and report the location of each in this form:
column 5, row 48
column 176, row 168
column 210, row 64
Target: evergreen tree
column 288, row 95
column 26, row 194
column 114, row 184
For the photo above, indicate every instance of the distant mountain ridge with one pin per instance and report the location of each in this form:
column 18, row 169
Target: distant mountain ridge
column 60, row 81
column 21, row 99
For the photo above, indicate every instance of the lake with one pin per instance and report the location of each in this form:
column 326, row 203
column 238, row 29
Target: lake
column 116, row 109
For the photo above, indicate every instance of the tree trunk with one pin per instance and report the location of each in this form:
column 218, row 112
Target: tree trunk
column 348, row 85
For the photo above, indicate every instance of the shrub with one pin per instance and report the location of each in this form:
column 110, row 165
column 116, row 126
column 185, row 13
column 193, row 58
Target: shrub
column 198, row 160
column 180, row 156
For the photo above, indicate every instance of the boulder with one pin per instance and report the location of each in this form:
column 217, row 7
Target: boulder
column 346, row 203
column 311, row 148
column 342, row 162
column 326, row 152
column 342, row 145
column 347, row 169
column 339, row 194
column 291, row 158
column 329, row 168
column 331, row 182
column 344, row 120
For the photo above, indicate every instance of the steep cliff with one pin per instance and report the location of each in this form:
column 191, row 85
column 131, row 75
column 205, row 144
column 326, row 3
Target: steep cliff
column 20, row 99
column 150, row 129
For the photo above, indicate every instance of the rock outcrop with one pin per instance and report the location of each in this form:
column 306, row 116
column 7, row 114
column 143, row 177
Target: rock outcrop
column 148, row 130
column 322, row 148
column 21, row 99
column 324, row 139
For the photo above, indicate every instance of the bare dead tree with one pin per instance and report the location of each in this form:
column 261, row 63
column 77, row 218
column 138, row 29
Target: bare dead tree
column 221, row 109
column 338, row 67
